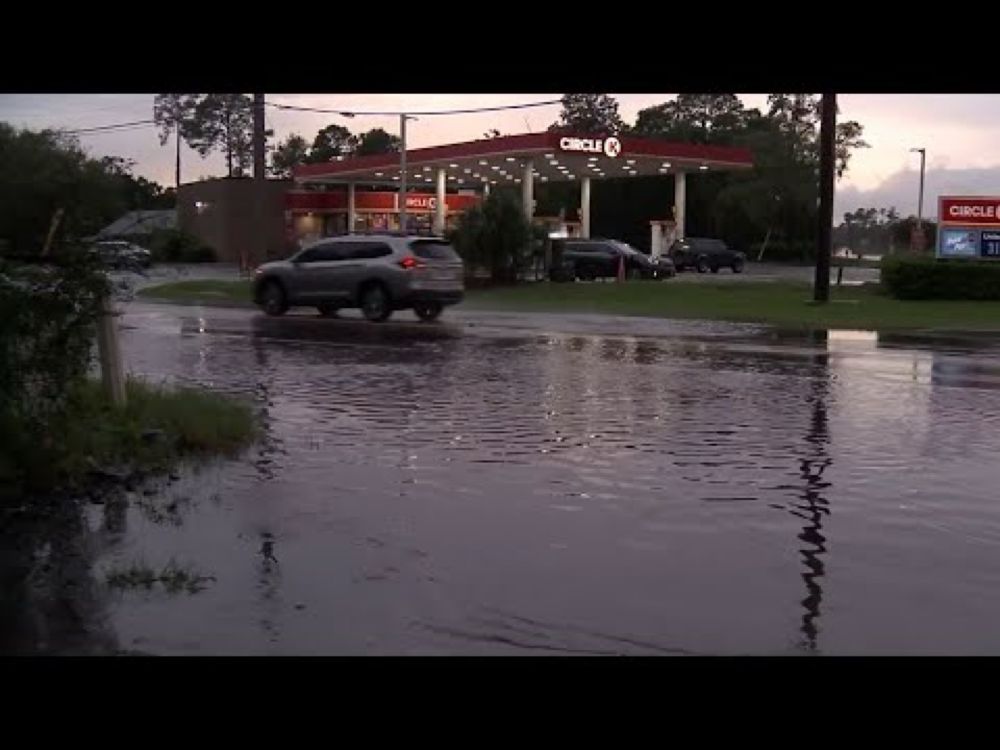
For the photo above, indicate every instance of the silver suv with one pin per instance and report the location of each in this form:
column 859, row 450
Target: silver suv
column 379, row 273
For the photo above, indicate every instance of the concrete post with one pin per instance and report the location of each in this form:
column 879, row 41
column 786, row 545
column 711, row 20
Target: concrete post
column 109, row 352
column 585, row 207
column 441, row 206
column 680, row 199
column 528, row 189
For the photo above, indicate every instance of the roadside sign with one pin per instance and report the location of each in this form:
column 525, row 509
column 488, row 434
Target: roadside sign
column 968, row 227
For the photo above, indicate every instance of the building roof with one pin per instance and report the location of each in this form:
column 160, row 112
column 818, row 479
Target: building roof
column 139, row 222
column 555, row 156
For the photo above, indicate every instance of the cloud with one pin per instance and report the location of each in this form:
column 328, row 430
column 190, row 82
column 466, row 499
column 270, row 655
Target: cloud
column 901, row 190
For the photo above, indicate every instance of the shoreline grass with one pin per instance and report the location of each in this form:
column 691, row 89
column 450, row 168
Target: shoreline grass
column 158, row 428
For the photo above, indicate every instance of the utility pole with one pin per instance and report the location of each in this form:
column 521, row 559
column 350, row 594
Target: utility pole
column 260, row 182
column 827, row 156
column 177, row 170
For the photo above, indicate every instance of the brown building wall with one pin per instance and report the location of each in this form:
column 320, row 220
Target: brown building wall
column 223, row 215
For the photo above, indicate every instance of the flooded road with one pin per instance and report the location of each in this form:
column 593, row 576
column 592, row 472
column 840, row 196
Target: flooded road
column 544, row 488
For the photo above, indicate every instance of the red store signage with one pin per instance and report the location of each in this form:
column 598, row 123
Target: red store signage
column 372, row 201
column 978, row 211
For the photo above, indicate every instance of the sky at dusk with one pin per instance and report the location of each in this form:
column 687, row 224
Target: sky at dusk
column 960, row 133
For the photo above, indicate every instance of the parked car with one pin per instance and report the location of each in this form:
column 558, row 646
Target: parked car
column 122, row 255
column 588, row 259
column 705, row 255
column 379, row 273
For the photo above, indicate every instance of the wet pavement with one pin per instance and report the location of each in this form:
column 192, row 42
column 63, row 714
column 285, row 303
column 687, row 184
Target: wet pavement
column 545, row 485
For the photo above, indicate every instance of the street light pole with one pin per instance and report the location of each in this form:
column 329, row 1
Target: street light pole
column 402, row 173
column 920, row 199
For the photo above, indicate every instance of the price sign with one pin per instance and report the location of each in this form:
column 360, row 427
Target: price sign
column 990, row 245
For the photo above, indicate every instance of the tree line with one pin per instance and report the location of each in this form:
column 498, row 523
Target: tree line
column 775, row 201
column 878, row 231
column 43, row 172
column 223, row 123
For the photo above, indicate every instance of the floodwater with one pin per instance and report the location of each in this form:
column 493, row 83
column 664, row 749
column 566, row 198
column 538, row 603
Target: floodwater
column 468, row 488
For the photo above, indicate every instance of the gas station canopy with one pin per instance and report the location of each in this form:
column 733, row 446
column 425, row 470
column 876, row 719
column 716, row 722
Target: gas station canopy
column 526, row 160
column 551, row 157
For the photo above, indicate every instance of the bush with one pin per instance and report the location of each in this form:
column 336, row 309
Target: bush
column 929, row 278
column 47, row 316
column 494, row 235
column 175, row 246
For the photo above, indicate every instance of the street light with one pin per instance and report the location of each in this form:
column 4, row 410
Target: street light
column 402, row 170
column 920, row 199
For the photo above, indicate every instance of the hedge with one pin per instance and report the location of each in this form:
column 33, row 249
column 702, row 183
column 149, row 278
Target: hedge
column 175, row 246
column 929, row 278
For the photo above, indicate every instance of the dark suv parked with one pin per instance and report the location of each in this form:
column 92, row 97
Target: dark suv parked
column 597, row 258
column 705, row 255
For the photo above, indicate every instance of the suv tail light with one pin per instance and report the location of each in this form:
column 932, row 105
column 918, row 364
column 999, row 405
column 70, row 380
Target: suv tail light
column 409, row 262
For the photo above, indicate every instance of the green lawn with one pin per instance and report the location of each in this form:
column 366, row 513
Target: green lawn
column 784, row 304
column 200, row 291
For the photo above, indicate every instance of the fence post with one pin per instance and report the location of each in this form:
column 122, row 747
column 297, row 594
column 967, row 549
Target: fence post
column 109, row 352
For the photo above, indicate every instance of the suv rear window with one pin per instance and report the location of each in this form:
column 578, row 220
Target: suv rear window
column 433, row 250
column 367, row 250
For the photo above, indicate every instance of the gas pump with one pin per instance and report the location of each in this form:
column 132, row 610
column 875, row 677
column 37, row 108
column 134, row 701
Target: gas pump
column 662, row 235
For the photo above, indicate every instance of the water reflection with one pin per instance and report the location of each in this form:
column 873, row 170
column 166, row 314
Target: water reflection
column 269, row 587
column 814, row 505
column 50, row 600
column 269, row 578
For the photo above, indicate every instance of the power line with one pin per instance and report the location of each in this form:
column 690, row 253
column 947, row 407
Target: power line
column 115, row 126
column 138, row 124
column 112, row 132
column 425, row 113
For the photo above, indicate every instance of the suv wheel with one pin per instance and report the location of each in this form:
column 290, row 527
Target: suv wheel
column 738, row 265
column 273, row 299
column 375, row 303
column 702, row 265
column 428, row 311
